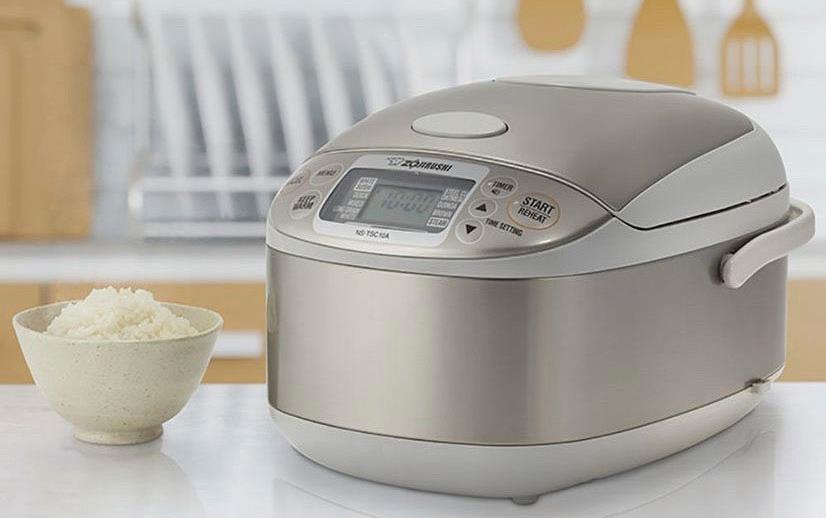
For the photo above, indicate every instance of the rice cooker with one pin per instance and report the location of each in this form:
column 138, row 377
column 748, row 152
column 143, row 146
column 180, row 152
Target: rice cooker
column 513, row 286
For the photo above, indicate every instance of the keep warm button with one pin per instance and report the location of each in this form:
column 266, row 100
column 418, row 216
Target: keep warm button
column 534, row 211
column 303, row 204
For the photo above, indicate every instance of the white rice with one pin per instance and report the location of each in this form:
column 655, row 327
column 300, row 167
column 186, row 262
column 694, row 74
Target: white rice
column 110, row 314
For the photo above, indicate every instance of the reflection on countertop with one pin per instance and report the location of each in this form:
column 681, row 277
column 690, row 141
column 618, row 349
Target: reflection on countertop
column 222, row 456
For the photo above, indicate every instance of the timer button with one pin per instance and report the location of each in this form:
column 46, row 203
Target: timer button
column 326, row 174
column 482, row 208
column 303, row 204
column 499, row 187
column 469, row 231
column 534, row 211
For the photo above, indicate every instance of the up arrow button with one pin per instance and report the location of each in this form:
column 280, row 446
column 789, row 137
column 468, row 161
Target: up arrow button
column 482, row 208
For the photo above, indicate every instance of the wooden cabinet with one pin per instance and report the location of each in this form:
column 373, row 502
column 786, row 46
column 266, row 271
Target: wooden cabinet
column 13, row 299
column 45, row 119
column 806, row 353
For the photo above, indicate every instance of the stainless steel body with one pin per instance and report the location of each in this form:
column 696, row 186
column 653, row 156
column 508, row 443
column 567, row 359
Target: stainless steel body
column 516, row 361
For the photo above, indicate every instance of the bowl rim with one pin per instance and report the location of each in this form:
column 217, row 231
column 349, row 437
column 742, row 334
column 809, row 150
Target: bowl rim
column 212, row 329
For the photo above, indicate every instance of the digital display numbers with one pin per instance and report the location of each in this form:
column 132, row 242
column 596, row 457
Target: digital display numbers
column 400, row 206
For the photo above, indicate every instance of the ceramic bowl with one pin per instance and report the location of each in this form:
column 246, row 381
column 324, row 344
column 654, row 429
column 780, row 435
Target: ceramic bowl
column 116, row 392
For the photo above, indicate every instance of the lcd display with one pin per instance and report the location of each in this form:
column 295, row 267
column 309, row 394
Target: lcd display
column 400, row 206
column 417, row 202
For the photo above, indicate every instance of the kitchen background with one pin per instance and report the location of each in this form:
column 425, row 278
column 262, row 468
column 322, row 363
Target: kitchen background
column 141, row 142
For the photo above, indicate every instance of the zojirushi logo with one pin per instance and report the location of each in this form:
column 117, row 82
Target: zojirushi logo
column 415, row 163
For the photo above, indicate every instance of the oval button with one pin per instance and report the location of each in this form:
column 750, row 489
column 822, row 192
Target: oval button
column 534, row 211
column 459, row 125
column 482, row 208
column 294, row 181
column 326, row 174
column 499, row 187
column 303, row 204
column 469, row 231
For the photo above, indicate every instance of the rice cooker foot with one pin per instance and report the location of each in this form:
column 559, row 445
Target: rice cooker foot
column 525, row 500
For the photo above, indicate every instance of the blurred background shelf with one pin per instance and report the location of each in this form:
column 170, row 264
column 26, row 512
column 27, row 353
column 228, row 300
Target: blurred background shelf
column 160, row 260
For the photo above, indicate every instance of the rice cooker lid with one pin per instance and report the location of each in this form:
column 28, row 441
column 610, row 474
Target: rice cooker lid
column 651, row 154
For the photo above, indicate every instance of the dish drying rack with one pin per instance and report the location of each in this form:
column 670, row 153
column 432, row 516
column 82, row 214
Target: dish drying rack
column 232, row 99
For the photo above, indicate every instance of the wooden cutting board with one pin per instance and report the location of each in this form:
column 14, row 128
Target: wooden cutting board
column 45, row 119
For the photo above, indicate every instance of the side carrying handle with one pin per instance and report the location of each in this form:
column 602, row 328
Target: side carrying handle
column 737, row 268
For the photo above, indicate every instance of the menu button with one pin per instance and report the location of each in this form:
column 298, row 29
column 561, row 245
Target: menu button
column 325, row 174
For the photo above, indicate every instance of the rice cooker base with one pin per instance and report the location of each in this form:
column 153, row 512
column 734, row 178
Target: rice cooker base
column 521, row 473
column 508, row 366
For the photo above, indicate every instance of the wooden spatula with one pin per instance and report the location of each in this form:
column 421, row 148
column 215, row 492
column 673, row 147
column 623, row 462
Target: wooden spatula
column 749, row 57
column 549, row 25
column 660, row 49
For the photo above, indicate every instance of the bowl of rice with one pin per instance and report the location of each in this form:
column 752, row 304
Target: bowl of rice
column 118, row 364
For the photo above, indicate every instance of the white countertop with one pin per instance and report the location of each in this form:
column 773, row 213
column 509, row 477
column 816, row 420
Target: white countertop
column 197, row 261
column 223, row 456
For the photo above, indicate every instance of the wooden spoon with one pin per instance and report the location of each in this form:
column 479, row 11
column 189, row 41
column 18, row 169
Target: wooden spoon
column 660, row 49
column 550, row 25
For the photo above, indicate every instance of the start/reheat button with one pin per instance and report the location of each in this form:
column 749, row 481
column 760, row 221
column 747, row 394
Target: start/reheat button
column 459, row 125
column 534, row 211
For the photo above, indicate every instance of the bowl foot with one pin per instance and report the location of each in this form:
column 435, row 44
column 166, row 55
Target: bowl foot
column 118, row 438
column 525, row 500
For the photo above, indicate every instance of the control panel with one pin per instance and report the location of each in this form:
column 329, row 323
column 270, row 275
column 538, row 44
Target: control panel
column 428, row 205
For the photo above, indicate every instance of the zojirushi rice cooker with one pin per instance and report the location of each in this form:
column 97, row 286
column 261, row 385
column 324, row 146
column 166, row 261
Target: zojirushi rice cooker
column 514, row 286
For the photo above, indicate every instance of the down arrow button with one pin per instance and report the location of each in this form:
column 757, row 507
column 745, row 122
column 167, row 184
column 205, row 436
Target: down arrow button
column 469, row 231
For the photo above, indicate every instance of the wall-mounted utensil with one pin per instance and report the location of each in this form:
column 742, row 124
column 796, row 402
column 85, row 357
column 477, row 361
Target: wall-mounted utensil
column 331, row 82
column 290, row 92
column 374, row 80
column 253, row 106
column 550, row 25
column 749, row 56
column 170, row 94
column 214, row 107
column 660, row 48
